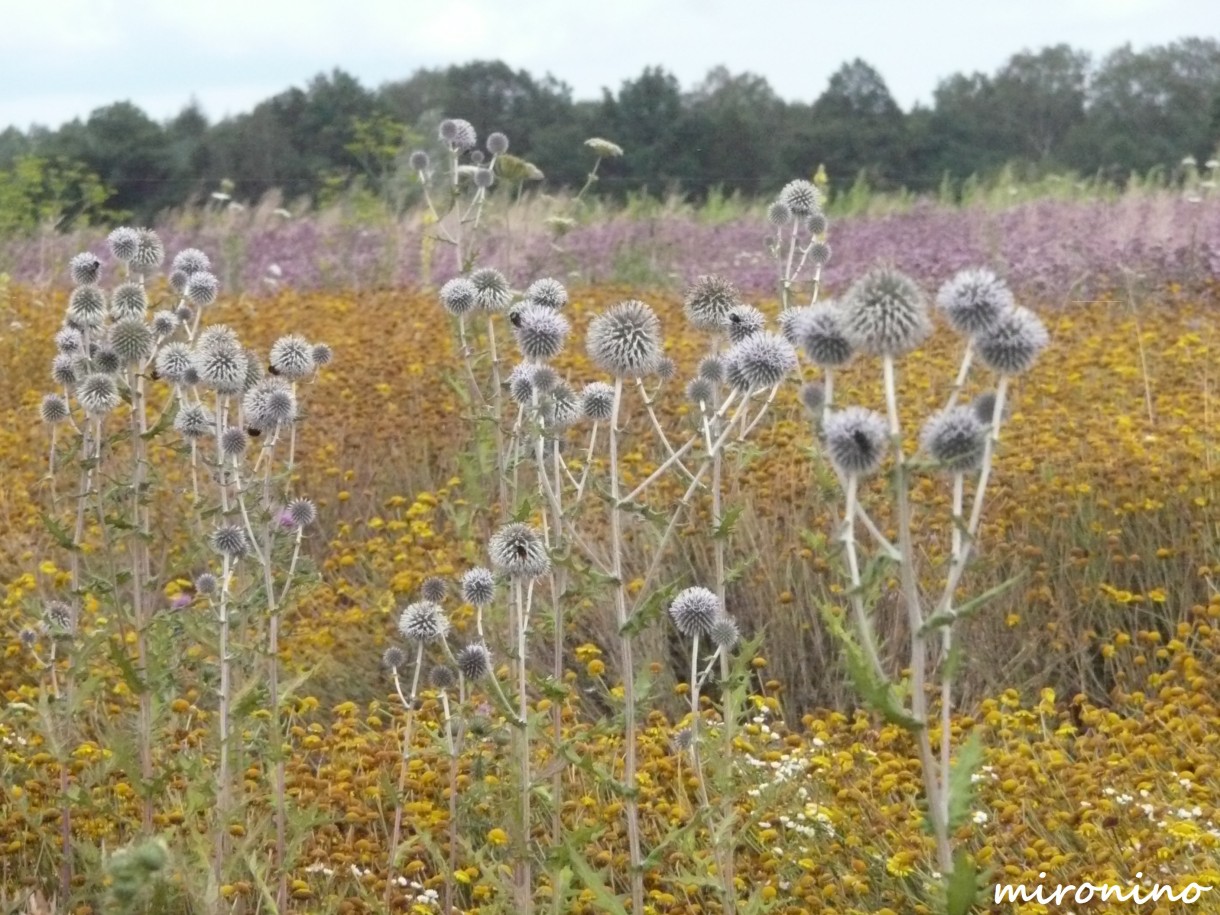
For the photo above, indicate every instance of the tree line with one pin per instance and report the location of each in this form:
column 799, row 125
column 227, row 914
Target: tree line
column 1052, row 110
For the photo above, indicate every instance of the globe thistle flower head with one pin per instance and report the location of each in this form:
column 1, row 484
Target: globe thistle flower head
column 423, row 622
column 547, row 292
column 178, row 281
column 190, row 261
column 666, row 369
column 393, row 658
column 434, row 589
column 123, row 242
column 801, row 197
column 106, row 360
column 59, row 619
column 1013, row 343
column 87, row 305
column 885, row 313
column 984, row 407
column 955, row 439
column 518, row 550
column 254, row 371
column 711, row 368
column 491, row 289
column 322, row 354
column 222, row 368
column 779, row 214
column 97, row 394
column 132, row 340
column 484, row 178
column 759, row 361
column 69, row 341
column 497, row 143
column 54, row 409
column 824, row 340
column 193, row 422
column 418, row 161
column 202, row 288
column 521, row 384
column 474, row 661
column 974, row 300
column 149, row 252
column 442, row 677
column 544, row 378
column 173, row 360
column 813, row 397
column 190, row 377
column 184, row 312
column 459, row 134
column 700, row 391
column 817, row 223
column 708, row 301
column 744, row 321
column 540, row 332
column 724, row 633
column 563, row 406
column 270, row 403
column 217, row 335
column 164, row 323
column 792, row 323
column 230, row 540
column 819, row 254
column 459, row 296
column 478, row 587
column 206, row 583
column 84, row 268
column 234, row 442
column 477, row 157
column 292, row 357
column 65, row 369
column 597, row 401
column 694, row 611
column 625, row 340
column 28, row 637
column 856, row 440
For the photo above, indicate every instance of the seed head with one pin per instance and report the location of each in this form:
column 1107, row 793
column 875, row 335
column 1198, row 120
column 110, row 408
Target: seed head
column 173, row 360
column 547, row 292
column 885, row 313
column 193, row 422
column 234, row 442
column 123, row 242
column 217, row 335
column 442, row 677
column 955, row 439
column 801, row 197
column 84, row 268
column 302, row 512
column 434, row 589
column 497, row 143
column 54, row 409
column 518, row 550
column 322, row 354
column 700, row 390
column 206, row 583
column 484, row 178
column 132, row 340
column 823, row 338
column 474, row 661
column 974, row 300
column 106, row 360
column 202, row 288
column 744, row 321
column 68, row 341
column 521, row 384
column 724, row 633
column 129, row 300
column 254, row 371
column 478, row 587
column 819, row 254
column 292, row 357
column 694, row 611
column 491, row 289
column 178, row 281
column 666, row 368
column 230, row 540
column 563, row 406
column 544, row 378
column 222, row 367
column 817, row 224
column 459, row 134
column 1012, row 344
column 856, row 440
column 626, row 340
column 97, row 394
column 778, row 214
column 423, row 622
column 164, row 323
column 418, row 161
column 87, row 305
column 190, row 261
column 597, row 401
column 65, row 369
column 813, row 397
column 459, row 296
column 184, row 312
column 541, row 332
column 708, row 301
column 149, row 250
column 792, row 323
column 984, row 407
column 759, row 361
column 269, row 403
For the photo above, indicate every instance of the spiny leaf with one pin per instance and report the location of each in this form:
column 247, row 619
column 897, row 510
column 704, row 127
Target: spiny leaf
column 945, row 617
column 961, row 886
column 60, row 533
column 961, row 780
column 604, row 900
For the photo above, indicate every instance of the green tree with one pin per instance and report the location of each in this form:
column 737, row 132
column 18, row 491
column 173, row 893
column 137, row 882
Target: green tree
column 37, row 192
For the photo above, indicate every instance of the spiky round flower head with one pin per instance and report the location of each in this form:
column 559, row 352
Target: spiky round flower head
column 65, row 369
column 819, row 254
column 202, row 288
column 700, row 390
column 97, row 394
column 69, row 341
column 478, row 587
column 813, row 397
column 87, row 305
column 597, row 401
column 123, row 242
column 694, row 611
column 474, row 661
column 105, row 359
column 984, row 407
column 234, row 442
column 801, row 197
column 711, row 368
column 149, row 250
column 164, row 323
column 423, row 622
column 322, row 354
column 217, row 335
column 442, row 677
column 230, row 540
column 190, row 261
column 792, row 323
column 54, row 409
column 744, row 321
column 477, row 157
column 563, row 406
column 206, row 583
column 973, row 300
column 222, row 368
column 1012, row 344
column 491, row 289
column 132, row 340
column 760, row 361
column 59, row 618
column 292, row 357
column 434, row 589
column 418, row 161
column 708, row 301
column 885, row 313
column 184, row 312
column 302, row 512
column 955, row 439
column 540, row 332
column 544, row 378
column 178, row 281
column 193, row 422
column 518, row 550
column 458, row 296
column 484, row 178
column 393, row 658
column 666, row 369
column 856, row 440
column 190, row 377
column 173, row 360
column 626, row 339
column 817, row 223
column 254, row 371
column 521, row 384
column 547, row 292
column 497, row 143
column 824, row 340
column 269, row 403
column 84, row 268
column 459, row 134
column 778, row 214
column 724, row 633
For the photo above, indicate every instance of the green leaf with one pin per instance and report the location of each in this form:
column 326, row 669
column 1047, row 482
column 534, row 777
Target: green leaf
column 60, row 533
column 563, row 885
column 164, row 422
column 946, row 617
column 961, row 782
column 126, row 668
column 879, row 693
column 728, row 523
column 961, row 886
column 605, row 900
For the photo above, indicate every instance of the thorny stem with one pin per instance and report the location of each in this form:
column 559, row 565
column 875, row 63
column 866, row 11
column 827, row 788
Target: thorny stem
column 224, row 789
column 525, row 896
column 946, row 646
column 273, row 677
column 139, row 573
column 962, row 374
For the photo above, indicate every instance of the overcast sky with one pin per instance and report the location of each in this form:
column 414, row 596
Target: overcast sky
column 61, row 59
